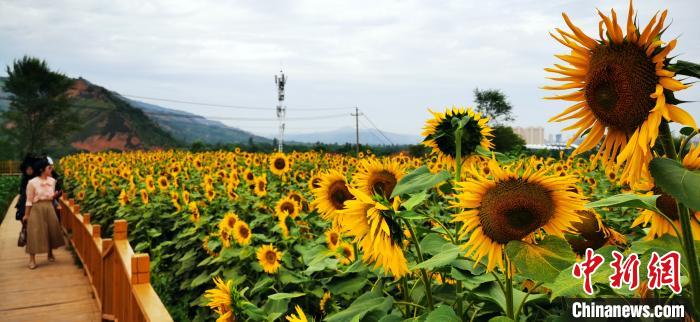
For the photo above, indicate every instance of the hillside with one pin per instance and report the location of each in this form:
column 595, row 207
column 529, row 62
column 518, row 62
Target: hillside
column 188, row 127
column 114, row 122
column 347, row 135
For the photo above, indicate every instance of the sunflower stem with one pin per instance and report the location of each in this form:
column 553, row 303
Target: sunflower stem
column 458, row 178
column 667, row 140
column 689, row 246
column 424, row 274
column 509, row 290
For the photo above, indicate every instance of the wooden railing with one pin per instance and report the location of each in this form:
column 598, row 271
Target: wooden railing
column 9, row 167
column 120, row 279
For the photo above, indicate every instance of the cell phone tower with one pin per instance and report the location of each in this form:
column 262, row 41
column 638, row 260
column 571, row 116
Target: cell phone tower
column 280, row 80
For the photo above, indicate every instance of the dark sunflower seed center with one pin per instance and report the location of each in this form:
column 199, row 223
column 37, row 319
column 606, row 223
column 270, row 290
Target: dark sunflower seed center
column 338, row 193
column 513, row 209
column 618, row 84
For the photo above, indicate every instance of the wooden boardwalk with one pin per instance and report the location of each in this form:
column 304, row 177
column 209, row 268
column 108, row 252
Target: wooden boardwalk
column 57, row 291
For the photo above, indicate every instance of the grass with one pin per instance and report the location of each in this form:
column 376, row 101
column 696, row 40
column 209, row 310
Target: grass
column 9, row 186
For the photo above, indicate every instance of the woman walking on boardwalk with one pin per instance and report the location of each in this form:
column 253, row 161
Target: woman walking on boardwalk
column 43, row 230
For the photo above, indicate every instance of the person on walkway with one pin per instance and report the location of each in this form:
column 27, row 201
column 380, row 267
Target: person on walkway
column 43, row 230
column 27, row 174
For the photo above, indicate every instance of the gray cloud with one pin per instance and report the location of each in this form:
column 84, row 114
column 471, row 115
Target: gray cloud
column 393, row 59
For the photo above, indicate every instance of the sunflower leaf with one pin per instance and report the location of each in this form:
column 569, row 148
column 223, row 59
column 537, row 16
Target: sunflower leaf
column 443, row 313
column 677, row 181
column 419, row 180
column 543, row 261
column 626, row 200
column 282, row 296
column 685, row 68
column 439, row 260
column 687, row 130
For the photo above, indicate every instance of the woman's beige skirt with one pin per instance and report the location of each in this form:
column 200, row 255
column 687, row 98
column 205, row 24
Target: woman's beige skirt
column 43, row 229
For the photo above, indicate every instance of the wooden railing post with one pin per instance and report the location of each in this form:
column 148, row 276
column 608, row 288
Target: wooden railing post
column 120, row 229
column 96, row 231
column 86, row 219
column 140, row 269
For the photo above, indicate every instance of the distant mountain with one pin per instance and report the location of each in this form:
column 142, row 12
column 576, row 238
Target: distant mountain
column 114, row 122
column 188, row 127
column 108, row 122
column 347, row 135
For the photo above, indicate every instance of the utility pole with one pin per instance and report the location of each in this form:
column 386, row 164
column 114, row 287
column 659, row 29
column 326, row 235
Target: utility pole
column 281, row 108
column 357, row 130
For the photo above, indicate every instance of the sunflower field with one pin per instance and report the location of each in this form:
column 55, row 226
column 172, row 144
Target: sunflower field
column 460, row 234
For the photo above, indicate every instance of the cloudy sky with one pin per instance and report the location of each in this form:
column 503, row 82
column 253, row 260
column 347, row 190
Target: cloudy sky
column 393, row 59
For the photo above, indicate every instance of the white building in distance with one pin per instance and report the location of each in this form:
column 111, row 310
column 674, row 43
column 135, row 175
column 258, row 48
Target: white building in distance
column 533, row 135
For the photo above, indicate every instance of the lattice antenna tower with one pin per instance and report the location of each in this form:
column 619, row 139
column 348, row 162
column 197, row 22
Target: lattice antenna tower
column 281, row 80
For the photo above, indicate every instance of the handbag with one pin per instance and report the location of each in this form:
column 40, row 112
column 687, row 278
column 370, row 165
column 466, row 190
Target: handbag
column 22, row 240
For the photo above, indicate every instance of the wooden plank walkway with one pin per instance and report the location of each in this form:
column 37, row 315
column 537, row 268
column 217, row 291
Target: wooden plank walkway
column 57, row 291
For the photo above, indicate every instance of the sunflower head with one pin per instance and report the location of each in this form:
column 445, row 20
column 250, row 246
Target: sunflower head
column 260, row 186
column 691, row 160
column 229, row 221
column 298, row 317
column 241, row 233
column 163, row 183
column 150, row 184
column 144, row 196
column 288, row 205
column 269, row 258
column 377, row 232
column 378, row 177
column 439, row 132
column 123, row 198
column 345, row 253
column 333, row 238
column 279, row 164
column 331, row 194
column 513, row 203
column 591, row 232
column 623, row 90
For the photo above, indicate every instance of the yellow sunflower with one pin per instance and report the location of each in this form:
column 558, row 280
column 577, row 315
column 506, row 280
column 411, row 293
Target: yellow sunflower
column 345, row 253
column 219, row 299
column 186, row 197
column 229, row 221
column 209, row 193
column 658, row 225
column 150, row 184
column 512, row 205
column 623, row 90
column 691, row 161
column 144, row 196
column 163, row 183
column 299, row 317
column 440, row 137
column 330, row 195
column 260, row 186
column 378, row 177
column 378, row 235
column 333, row 238
column 225, row 237
column 269, row 258
column 314, row 182
column 288, row 205
column 241, row 233
column 123, row 198
column 591, row 232
column 324, row 301
column 194, row 211
column 280, row 164
column 175, row 200
column 248, row 176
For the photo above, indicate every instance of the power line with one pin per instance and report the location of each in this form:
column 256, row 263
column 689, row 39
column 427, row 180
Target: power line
column 375, row 127
column 257, row 108
column 210, row 117
column 371, row 132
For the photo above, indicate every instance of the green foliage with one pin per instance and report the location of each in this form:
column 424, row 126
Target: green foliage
column 9, row 187
column 542, row 261
column 506, row 140
column 39, row 114
column 494, row 104
column 677, row 181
